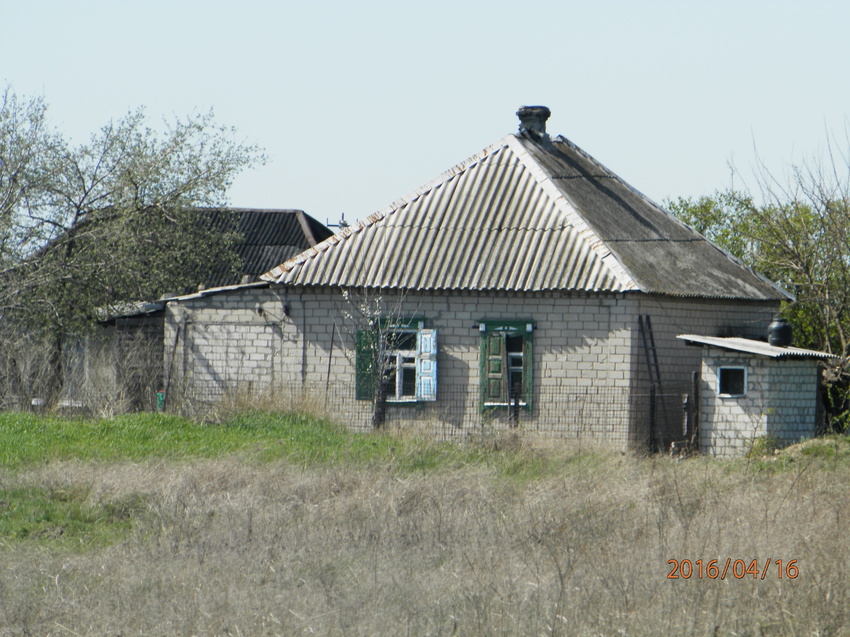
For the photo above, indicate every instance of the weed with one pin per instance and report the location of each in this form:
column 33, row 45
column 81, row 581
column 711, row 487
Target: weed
column 282, row 524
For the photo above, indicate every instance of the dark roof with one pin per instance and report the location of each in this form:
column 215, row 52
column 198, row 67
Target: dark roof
column 528, row 213
column 268, row 237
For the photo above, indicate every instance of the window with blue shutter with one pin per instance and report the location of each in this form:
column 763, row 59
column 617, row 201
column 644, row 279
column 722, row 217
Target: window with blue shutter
column 426, row 365
column 403, row 355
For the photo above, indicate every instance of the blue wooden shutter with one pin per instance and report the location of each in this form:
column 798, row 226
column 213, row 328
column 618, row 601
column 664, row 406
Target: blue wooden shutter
column 426, row 365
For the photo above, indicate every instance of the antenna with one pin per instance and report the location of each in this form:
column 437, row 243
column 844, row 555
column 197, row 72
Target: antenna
column 342, row 222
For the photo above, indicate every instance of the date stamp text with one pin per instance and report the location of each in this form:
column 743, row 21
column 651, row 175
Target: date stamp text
column 738, row 569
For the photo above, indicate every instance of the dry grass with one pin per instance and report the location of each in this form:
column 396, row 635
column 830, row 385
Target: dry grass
column 225, row 547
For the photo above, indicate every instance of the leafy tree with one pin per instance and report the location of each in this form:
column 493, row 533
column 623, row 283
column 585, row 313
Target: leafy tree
column 799, row 237
column 723, row 218
column 85, row 228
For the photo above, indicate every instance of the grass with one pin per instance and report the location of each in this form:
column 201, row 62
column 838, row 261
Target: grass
column 68, row 517
column 281, row 524
column 27, row 440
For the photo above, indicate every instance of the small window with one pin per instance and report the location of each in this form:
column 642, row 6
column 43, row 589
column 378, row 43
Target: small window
column 732, row 381
column 403, row 355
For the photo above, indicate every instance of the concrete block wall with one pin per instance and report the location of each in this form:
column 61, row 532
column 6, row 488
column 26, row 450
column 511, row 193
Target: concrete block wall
column 671, row 316
column 781, row 402
column 588, row 361
column 793, row 411
column 245, row 339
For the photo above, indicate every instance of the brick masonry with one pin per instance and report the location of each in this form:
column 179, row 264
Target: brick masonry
column 781, row 402
column 591, row 377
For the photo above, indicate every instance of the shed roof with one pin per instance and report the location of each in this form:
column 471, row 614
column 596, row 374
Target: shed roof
column 749, row 346
column 528, row 213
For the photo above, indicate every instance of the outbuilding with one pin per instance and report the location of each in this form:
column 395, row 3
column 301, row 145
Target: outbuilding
column 753, row 389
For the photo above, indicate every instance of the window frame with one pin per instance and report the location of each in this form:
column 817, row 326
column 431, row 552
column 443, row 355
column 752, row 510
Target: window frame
column 399, row 364
column 500, row 366
column 737, row 368
column 371, row 351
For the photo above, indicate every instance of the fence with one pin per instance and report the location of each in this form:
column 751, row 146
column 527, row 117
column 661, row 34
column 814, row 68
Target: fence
column 611, row 415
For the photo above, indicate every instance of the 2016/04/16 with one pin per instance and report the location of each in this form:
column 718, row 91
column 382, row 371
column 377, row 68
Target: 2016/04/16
column 684, row 569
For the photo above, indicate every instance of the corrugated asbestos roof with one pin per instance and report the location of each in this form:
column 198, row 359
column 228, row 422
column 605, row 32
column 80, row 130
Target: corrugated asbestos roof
column 750, row 346
column 267, row 237
column 526, row 214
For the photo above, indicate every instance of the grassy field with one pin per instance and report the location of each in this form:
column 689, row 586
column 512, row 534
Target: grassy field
column 269, row 524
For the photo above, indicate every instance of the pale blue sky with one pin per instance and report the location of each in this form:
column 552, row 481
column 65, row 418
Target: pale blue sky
column 358, row 103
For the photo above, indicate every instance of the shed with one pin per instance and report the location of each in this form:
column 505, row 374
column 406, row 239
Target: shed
column 751, row 389
column 122, row 365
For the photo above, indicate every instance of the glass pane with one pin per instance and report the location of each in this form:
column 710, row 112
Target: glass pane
column 390, row 370
column 401, row 341
column 513, row 344
column 732, row 381
column 516, row 385
column 408, row 382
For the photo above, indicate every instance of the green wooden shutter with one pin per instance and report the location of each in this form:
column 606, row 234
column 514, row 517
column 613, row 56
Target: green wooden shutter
column 527, row 367
column 365, row 376
column 494, row 376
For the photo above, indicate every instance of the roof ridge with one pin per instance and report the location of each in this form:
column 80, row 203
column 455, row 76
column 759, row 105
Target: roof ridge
column 571, row 211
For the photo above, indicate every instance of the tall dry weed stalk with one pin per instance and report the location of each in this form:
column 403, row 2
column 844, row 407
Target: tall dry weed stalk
column 227, row 548
column 104, row 374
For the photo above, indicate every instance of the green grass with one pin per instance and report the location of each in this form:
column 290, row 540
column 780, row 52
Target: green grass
column 27, row 440
column 830, row 453
column 61, row 517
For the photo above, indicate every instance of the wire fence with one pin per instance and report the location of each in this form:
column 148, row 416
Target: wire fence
column 617, row 415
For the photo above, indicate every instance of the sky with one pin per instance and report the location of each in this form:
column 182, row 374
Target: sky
column 359, row 103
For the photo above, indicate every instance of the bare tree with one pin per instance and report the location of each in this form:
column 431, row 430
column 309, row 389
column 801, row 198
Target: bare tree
column 391, row 344
column 87, row 228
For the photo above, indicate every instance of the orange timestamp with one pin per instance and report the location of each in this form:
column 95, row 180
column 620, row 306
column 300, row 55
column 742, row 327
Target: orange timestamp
column 739, row 569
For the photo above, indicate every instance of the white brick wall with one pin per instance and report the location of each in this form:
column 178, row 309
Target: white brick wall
column 781, row 402
column 583, row 344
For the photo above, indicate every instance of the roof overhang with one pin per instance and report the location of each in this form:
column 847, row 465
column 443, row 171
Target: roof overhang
column 750, row 346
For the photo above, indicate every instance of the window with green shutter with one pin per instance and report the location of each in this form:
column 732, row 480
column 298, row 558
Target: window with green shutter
column 401, row 353
column 506, row 363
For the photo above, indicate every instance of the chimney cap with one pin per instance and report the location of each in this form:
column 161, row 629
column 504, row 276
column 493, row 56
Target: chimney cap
column 533, row 119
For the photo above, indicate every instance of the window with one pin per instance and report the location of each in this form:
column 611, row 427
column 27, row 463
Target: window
column 506, row 363
column 732, row 381
column 403, row 354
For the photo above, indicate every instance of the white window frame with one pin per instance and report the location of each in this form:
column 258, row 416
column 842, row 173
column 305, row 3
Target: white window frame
column 723, row 368
column 400, row 360
column 424, row 362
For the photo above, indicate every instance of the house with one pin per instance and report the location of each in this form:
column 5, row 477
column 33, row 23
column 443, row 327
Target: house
column 527, row 286
column 123, row 364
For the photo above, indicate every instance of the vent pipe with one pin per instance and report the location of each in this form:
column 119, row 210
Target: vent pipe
column 532, row 119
